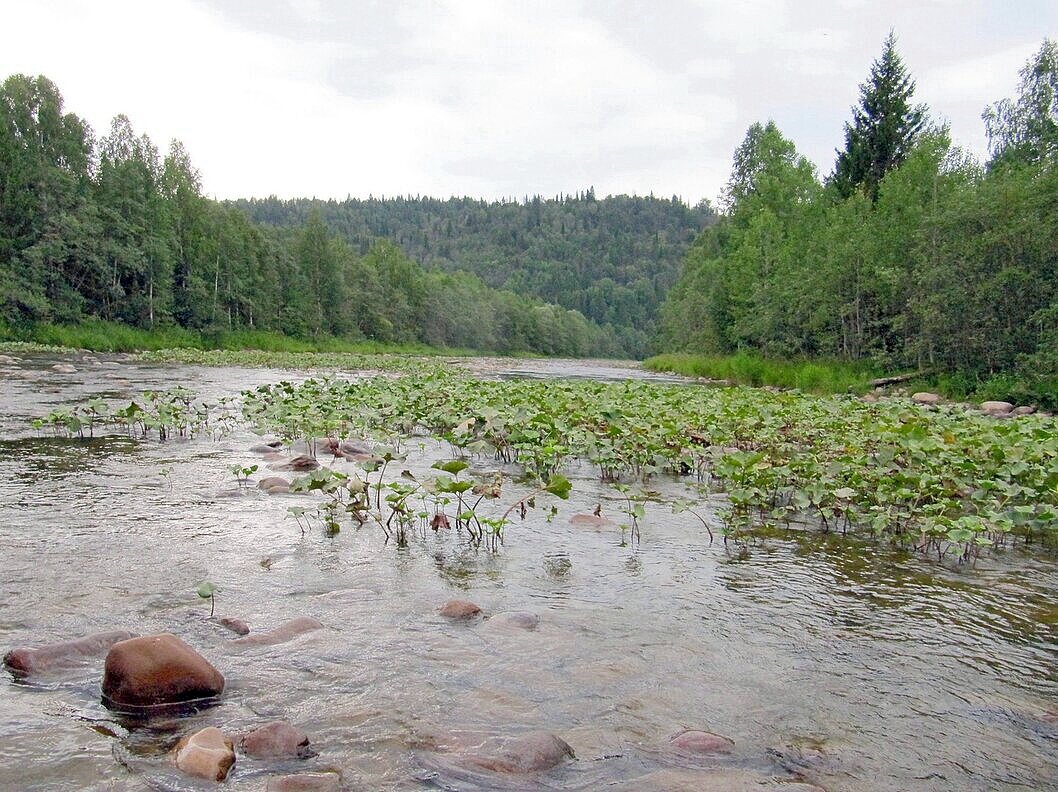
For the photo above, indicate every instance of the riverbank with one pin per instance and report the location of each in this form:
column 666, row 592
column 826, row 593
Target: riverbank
column 828, row 376
column 100, row 336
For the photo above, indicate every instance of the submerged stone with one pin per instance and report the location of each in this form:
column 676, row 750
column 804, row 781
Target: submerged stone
column 271, row 484
column 522, row 620
column 237, row 626
column 287, row 631
column 459, row 609
column 207, row 754
column 300, row 463
column 694, row 741
column 277, row 739
column 533, row 752
column 711, row 781
column 305, row 782
column 157, row 669
column 25, row 661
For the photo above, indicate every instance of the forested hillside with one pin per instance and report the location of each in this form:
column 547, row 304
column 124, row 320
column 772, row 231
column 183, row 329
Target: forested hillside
column 106, row 227
column 613, row 259
column 911, row 253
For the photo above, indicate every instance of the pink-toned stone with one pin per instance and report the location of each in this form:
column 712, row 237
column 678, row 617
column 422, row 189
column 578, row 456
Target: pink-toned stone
column 459, row 609
column 207, row 754
column 25, row 661
column 305, row 782
column 158, row 669
column 237, row 626
column 287, row 631
column 272, row 484
column 701, row 742
column 521, row 620
column 528, row 753
column 277, row 739
column 594, row 521
column 710, row 781
column 300, row 463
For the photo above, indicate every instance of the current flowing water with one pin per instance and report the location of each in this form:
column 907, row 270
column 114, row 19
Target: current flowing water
column 834, row 661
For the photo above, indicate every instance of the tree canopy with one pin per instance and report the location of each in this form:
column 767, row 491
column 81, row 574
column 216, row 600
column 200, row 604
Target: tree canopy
column 884, row 128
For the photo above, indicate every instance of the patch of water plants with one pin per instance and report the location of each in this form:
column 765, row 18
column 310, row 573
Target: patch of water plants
column 944, row 481
column 940, row 481
column 175, row 412
column 292, row 361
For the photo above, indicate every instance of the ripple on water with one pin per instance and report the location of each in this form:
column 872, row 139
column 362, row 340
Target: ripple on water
column 855, row 666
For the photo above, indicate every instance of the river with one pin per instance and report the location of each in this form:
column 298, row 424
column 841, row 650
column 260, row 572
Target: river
column 826, row 660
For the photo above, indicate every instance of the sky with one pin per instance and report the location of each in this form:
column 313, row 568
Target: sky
column 496, row 98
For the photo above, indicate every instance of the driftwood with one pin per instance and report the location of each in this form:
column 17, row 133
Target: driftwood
column 883, row 381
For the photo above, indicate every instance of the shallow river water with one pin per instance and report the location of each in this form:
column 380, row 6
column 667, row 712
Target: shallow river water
column 829, row 661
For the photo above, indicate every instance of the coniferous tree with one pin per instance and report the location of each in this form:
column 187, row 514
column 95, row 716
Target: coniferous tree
column 884, row 126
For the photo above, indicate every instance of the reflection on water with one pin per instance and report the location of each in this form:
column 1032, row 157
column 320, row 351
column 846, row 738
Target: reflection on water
column 852, row 666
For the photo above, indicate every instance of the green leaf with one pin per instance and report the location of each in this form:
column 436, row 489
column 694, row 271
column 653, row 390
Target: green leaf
column 559, row 486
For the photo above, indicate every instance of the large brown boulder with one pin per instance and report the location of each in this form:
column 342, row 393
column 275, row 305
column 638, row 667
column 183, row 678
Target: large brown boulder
column 157, row 669
column 205, row 754
column 925, row 397
column 24, row 661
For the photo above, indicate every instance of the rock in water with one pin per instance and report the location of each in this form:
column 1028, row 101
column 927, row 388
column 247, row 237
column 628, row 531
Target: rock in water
column 305, row 782
column 157, row 669
column 997, row 407
column 459, row 609
column 529, row 753
column 300, row 463
column 24, row 661
column 287, row 631
column 277, row 739
column 694, row 741
column 205, row 754
column 63, row 368
column 924, row 397
column 272, row 484
column 237, row 626
column 522, row 620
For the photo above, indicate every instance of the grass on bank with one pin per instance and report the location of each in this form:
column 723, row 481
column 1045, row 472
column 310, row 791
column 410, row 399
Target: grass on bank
column 810, row 376
column 101, row 336
column 838, row 376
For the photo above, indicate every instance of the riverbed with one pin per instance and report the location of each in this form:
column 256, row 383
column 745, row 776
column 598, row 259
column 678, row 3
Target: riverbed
column 827, row 660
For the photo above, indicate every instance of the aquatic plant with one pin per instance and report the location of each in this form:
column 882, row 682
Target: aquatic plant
column 206, row 590
column 944, row 481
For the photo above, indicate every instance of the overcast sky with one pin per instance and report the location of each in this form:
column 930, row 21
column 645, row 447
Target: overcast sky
column 493, row 98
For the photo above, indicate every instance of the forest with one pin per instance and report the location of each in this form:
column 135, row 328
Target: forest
column 110, row 229
column 911, row 254
column 612, row 259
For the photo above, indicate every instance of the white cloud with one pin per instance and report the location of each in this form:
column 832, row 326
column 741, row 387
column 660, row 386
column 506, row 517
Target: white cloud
column 322, row 97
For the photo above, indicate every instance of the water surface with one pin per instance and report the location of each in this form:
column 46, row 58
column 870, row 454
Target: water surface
column 851, row 666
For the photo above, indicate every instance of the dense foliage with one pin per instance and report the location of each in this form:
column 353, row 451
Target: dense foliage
column 939, row 480
column 950, row 267
column 612, row 259
column 111, row 229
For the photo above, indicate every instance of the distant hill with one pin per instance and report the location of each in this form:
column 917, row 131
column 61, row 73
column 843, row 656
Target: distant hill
column 613, row 259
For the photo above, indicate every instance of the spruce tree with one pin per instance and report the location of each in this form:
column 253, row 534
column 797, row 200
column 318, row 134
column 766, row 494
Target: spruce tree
column 884, row 126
